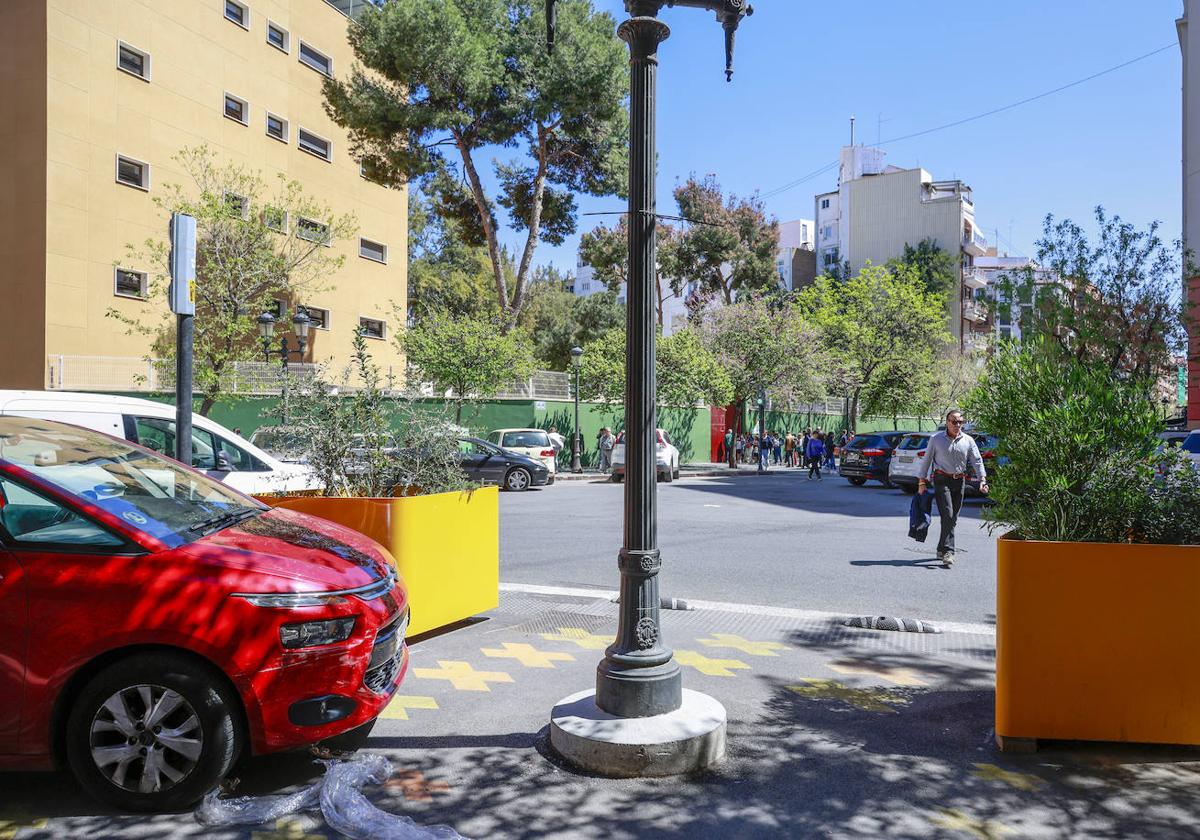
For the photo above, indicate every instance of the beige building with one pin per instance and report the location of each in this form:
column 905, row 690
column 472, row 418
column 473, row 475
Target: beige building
column 98, row 97
column 878, row 209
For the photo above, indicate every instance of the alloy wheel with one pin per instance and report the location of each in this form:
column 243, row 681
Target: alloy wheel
column 146, row 738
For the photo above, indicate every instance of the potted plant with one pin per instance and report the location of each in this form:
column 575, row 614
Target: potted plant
column 404, row 489
column 1098, row 575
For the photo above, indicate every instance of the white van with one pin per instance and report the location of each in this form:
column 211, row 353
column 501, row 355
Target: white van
column 216, row 451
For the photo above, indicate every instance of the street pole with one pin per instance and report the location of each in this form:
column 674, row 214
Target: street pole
column 762, row 429
column 182, row 294
column 576, row 440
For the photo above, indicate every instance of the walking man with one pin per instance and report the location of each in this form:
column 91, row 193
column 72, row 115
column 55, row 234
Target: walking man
column 606, row 447
column 947, row 457
column 814, row 455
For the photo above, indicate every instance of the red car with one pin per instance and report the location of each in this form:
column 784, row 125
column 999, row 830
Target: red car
column 156, row 624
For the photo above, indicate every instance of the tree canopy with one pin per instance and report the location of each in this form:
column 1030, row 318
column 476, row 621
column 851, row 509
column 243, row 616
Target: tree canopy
column 441, row 81
column 686, row 371
column 606, row 250
column 939, row 270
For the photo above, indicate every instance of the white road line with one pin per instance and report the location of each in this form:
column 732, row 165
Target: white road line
column 746, row 609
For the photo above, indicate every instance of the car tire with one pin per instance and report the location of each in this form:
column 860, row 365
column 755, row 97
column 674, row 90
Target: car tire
column 857, row 481
column 517, row 480
column 617, row 479
column 206, row 742
column 668, row 476
column 887, row 482
column 676, row 471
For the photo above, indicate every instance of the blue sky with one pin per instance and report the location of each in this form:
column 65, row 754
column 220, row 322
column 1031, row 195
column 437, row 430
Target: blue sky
column 803, row 68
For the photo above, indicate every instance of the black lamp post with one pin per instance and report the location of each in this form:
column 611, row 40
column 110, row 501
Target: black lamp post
column 576, row 443
column 266, row 331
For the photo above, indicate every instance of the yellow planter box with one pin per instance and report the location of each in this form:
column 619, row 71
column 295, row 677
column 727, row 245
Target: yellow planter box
column 1097, row 642
column 446, row 545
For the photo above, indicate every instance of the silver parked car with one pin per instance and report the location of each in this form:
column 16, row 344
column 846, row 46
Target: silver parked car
column 906, row 461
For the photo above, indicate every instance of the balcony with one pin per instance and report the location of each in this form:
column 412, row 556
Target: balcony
column 974, row 311
column 974, row 243
column 975, row 278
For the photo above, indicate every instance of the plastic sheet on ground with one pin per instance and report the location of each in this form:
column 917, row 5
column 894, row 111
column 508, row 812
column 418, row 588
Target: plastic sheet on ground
column 340, row 799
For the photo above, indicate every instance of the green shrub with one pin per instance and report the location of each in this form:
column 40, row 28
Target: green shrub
column 1080, row 448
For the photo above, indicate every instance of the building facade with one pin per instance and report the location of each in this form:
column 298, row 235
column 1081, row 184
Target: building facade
column 99, row 98
column 674, row 306
column 796, row 259
column 1191, row 202
column 878, row 209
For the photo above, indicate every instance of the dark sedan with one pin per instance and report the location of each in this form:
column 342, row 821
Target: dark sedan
column 868, row 456
column 489, row 464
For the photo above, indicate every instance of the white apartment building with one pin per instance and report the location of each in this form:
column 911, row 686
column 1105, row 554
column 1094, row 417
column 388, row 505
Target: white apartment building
column 796, row 258
column 878, row 209
column 675, row 311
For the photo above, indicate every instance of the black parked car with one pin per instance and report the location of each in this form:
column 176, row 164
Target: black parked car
column 868, row 456
column 489, row 464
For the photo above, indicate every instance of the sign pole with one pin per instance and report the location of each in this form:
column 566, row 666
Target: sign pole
column 183, row 304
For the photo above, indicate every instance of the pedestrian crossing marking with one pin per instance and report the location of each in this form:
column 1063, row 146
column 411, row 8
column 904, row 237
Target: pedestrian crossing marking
column 729, row 640
column 993, row 773
column 579, row 636
column 528, row 655
column 398, row 708
column 287, row 828
column 867, row 699
column 462, row 676
column 414, row 787
column 896, row 676
column 13, row 821
column 709, row 667
column 955, row 820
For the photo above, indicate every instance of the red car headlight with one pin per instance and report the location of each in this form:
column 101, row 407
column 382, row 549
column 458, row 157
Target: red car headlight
column 307, row 634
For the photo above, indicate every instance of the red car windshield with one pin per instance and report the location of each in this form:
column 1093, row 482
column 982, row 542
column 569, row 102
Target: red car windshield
column 153, row 495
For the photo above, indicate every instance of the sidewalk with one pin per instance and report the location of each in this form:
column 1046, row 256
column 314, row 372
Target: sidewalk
column 833, row 732
column 697, row 470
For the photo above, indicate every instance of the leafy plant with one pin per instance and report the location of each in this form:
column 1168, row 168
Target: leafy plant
column 686, row 372
column 1080, row 447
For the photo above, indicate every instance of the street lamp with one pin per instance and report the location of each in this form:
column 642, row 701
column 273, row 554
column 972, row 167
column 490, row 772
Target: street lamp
column 266, row 331
column 576, row 443
column 675, row 731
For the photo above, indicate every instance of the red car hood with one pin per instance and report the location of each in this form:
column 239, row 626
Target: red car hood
column 294, row 552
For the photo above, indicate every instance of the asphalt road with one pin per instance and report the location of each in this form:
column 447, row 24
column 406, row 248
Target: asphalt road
column 779, row 540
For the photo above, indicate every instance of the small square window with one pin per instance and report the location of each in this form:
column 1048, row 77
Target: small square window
column 277, row 127
column 318, row 318
column 236, row 109
column 315, row 145
column 131, row 284
column 276, row 219
column 318, row 61
column 824, row 203
column 238, row 204
column 238, row 13
column 133, row 61
column 372, row 327
column 372, row 250
column 133, row 173
column 278, row 37
column 312, row 231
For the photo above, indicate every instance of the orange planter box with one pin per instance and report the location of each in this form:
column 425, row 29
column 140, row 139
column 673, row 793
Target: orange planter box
column 446, row 545
column 1097, row 642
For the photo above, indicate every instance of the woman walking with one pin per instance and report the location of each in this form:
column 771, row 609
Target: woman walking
column 815, row 454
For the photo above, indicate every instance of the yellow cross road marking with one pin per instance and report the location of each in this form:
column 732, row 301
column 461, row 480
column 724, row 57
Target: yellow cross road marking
column 1021, row 781
column 898, row 676
column 462, row 676
column 729, row 640
column 711, row 667
column 955, row 820
column 867, row 699
column 579, row 636
column 288, row 828
column 527, row 655
column 13, row 821
column 398, row 708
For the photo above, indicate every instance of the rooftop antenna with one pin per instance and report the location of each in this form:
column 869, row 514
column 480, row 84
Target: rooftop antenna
column 851, row 130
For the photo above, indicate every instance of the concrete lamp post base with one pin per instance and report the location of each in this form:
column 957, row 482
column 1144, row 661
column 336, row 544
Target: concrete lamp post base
column 690, row 738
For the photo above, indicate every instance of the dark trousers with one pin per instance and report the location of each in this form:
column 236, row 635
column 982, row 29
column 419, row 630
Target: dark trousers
column 949, row 494
column 814, row 467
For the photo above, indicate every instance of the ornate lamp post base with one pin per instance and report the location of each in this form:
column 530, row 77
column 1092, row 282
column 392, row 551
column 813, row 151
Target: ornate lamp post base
column 690, row 738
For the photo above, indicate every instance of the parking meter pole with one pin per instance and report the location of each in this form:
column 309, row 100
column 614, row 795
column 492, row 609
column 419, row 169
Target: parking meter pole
column 184, row 333
column 639, row 676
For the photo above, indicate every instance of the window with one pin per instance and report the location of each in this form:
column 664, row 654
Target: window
column 372, row 250
column 277, row 127
column 127, row 283
column 133, row 61
column 312, row 231
column 238, row 13
column 280, row 310
column 236, row 108
column 526, row 440
column 278, row 37
column 238, row 204
column 133, row 173
column 317, row 317
column 824, row 203
column 30, row 519
column 318, row 61
column 315, row 145
column 371, row 327
column 276, row 219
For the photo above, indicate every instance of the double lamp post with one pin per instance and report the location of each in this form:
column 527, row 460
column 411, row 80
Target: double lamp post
column 266, row 331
